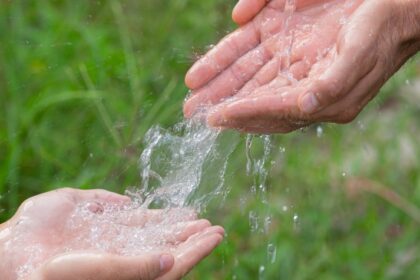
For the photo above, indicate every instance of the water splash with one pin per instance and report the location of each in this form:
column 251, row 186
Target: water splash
column 173, row 162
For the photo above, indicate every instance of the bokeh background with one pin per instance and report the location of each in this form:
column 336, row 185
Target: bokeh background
column 82, row 81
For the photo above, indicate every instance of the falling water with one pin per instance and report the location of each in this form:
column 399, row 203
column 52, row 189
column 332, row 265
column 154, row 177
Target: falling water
column 258, row 152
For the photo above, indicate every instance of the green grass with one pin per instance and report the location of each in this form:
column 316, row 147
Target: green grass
column 81, row 83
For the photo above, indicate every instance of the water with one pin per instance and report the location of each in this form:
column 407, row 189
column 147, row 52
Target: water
column 271, row 253
column 319, row 131
column 128, row 231
column 182, row 169
column 285, row 56
column 258, row 153
column 172, row 163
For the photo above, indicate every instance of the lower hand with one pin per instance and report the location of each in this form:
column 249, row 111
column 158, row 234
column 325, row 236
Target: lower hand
column 48, row 239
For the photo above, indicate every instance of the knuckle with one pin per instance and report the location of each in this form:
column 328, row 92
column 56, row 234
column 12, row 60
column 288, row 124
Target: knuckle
column 239, row 71
column 146, row 271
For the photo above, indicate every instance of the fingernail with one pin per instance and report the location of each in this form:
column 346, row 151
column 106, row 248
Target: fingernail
column 309, row 103
column 166, row 262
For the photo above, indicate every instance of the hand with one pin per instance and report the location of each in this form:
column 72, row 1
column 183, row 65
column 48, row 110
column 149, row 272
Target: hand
column 324, row 63
column 94, row 234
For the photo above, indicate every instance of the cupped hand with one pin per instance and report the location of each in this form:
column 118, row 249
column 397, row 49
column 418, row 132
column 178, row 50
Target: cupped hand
column 94, row 234
column 288, row 66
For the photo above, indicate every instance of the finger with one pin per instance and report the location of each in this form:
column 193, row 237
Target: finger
column 183, row 231
column 193, row 251
column 140, row 217
column 105, row 267
column 269, row 106
column 246, row 10
column 264, row 76
column 228, row 82
column 231, row 48
column 271, row 79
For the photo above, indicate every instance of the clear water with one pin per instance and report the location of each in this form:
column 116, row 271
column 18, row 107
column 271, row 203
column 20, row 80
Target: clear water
column 182, row 169
column 184, row 166
column 259, row 150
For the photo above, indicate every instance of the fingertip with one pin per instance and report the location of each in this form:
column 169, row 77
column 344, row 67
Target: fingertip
column 186, row 110
column 196, row 104
column 166, row 262
column 246, row 10
column 308, row 103
column 199, row 74
column 219, row 230
column 190, row 80
column 189, row 106
column 214, row 240
column 216, row 120
column 237, row 16
column 203, row 223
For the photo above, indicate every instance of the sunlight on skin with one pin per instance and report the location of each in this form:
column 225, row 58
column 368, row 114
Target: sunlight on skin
column 42, row 223
column 279, row 72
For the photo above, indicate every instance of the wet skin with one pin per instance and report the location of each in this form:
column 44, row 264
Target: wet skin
column 42, row 221
column 277, row 72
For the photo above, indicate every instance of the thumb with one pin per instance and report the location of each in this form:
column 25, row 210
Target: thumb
column 105, row 267
column 149, row 267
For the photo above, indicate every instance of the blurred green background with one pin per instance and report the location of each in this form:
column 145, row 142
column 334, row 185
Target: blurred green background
column 82, row 81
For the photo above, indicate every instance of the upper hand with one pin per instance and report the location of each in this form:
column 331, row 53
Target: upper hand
column 50, row 232
column 323, row 64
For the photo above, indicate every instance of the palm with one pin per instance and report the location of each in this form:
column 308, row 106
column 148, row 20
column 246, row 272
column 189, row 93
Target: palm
column 272, row 56
column 60, row 224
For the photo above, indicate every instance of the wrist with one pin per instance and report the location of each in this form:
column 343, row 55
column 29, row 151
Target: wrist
column 408, row 16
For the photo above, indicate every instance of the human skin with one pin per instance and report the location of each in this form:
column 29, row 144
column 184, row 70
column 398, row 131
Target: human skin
column 42, row 221
column 277, row 73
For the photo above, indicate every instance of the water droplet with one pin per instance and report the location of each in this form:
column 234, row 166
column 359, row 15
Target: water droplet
column 261, row 272
column 285, row 208
column 267, row 224
column 319, row 131
column 253, row 221
column 361, row 125
column 296, row 222
column 249, row 159
column 271, row 253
